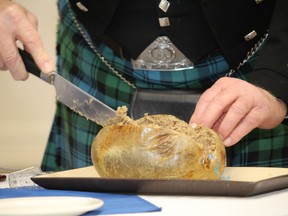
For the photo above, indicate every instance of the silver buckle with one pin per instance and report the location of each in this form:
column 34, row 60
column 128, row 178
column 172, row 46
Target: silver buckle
column 162, row 55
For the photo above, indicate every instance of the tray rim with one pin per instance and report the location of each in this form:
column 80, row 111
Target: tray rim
column 165, row 186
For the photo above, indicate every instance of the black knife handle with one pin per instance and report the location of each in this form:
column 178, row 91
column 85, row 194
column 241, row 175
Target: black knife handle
column 29, row 63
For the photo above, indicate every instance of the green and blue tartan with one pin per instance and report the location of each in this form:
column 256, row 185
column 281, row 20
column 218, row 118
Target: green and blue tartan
column 72, row 135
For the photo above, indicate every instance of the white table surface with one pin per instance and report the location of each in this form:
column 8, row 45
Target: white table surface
column 269, row 204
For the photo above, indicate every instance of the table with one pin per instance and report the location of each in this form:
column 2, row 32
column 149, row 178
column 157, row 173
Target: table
column 268, row 204
column 271, row 204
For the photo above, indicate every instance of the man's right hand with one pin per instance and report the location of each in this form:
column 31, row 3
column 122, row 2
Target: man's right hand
column 18, row 24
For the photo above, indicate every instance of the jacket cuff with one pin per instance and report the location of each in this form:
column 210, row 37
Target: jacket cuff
column 271, row 81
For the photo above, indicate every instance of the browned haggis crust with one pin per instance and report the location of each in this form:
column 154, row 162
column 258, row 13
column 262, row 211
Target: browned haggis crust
column 158, row 146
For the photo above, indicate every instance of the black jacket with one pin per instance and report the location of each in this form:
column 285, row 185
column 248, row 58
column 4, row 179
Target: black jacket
column 229, row 22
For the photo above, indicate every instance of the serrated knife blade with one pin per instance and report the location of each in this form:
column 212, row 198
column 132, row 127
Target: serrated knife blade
column 71, row 95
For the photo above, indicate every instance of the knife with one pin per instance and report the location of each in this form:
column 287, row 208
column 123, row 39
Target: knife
column 71, row 95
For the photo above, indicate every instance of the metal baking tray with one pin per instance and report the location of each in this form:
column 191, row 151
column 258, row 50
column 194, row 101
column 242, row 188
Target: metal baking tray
column 237, row 181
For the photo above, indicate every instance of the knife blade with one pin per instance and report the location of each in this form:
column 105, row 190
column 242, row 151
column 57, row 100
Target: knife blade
column 71, row 95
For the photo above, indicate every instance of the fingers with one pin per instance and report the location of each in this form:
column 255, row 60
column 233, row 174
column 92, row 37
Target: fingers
column 213, row 103
column 225, row 112
column 10, row 59
column 245, row 126
column 27, row 33
column 204, row 102
column 233, row 108
column 239, row 111
column 241, row 118
column 18, row 24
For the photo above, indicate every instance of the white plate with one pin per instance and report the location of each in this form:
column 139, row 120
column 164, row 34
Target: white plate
column 49, row 205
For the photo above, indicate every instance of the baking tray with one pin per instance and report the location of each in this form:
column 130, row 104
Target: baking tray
column 237, row 181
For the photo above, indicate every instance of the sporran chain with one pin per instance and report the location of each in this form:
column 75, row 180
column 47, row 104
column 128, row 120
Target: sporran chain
column 94, row 49
column 249, row 54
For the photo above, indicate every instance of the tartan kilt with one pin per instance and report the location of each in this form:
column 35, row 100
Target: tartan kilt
column 71, row 135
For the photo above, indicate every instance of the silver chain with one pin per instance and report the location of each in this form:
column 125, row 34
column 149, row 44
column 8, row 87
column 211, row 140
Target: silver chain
column 250, row 53
column 91, row 45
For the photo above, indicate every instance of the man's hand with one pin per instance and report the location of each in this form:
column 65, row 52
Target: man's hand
column 18, row 24
column 234, row 107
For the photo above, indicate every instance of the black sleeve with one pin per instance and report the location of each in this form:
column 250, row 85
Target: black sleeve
column 271, row 69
